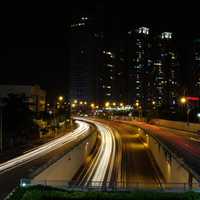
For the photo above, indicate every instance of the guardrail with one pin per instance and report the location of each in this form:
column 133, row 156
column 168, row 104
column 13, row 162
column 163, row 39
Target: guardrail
column 112, row 186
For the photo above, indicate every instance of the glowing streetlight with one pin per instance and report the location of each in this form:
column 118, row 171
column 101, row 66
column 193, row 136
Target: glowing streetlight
column 75, row 101
column 81, row 103
column 153, row 102
column 85, row 102
column 73, row 105
column 137, row 104
column 97, row 107
column 107, row 104
column 183, row 100
column 92, row 105
column 121, row 104
column 114, row 104
column 60, row 98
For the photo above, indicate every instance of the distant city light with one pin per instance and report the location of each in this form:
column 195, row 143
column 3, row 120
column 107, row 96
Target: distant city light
column 143, row 30
column 50, row 112
column 84, row 18
column 114, row 104
column 73, row 105
column 107, row 104
column 92, row 105
column 166, row 35
column 183, row 100
column 198, row 115
column 60, row 98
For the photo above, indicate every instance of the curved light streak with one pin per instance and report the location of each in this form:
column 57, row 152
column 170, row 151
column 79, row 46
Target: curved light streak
column 103, row 162
column 82, row 130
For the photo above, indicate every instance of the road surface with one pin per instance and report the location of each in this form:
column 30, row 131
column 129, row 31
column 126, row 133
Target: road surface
column 22, row 166
column 184, row 144
column 132, row 163
column 101, row 167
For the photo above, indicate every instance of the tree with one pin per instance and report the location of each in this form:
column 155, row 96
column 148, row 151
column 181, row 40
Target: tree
column 19, row 123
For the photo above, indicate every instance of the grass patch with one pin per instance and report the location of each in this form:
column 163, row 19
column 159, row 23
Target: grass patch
column 48, row 193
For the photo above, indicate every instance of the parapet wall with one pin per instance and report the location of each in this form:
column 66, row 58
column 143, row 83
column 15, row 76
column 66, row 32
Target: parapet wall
column 192, row 127
column 65, row 168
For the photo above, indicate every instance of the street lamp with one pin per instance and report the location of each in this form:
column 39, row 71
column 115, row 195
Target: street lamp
column 121, row 104
column 73, row 105
column 60, row 98
column 85, row 102
column 183, row 101
column 81, row 103
column 114, row 104
column 107, row 104
column 198, row 115
column 139, row 108
column 75, row 101
column 92, row 105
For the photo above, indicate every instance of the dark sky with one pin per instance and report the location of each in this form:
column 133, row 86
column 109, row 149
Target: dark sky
column 33, row 49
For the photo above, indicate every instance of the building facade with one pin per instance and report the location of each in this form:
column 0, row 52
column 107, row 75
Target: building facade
column 85, row 50
column 36, row 97
column 195, row 78
column 139, row 66
column 165, row 75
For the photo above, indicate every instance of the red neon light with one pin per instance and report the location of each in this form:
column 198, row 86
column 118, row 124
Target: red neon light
column 193, row 98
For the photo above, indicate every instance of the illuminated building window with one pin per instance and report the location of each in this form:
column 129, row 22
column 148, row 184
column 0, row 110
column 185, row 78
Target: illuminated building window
column 143, row 30
column 166, row 35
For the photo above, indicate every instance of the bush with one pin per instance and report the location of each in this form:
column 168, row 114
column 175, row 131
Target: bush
column 48, row 193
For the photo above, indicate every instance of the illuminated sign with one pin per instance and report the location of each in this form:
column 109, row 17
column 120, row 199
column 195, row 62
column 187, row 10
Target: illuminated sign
column 193, row 98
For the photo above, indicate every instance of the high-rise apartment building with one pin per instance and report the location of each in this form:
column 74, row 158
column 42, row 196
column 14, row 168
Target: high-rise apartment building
column 165, row 75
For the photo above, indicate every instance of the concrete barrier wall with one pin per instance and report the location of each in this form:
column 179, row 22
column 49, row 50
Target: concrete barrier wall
column 172, row 171
column 66, row 167
column 193, row 127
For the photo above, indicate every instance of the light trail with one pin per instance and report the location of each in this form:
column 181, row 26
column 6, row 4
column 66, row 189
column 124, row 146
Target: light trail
column 103, row 162
column 81, row 131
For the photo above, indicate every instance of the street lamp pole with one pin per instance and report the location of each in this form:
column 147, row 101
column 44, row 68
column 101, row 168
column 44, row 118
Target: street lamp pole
column 184, row 101
column 188, row 116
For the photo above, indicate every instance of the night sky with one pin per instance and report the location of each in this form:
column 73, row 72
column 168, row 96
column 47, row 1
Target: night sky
column 33, row 49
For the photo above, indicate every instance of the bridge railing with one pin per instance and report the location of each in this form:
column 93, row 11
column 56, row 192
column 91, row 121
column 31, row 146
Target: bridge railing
column 111, row 186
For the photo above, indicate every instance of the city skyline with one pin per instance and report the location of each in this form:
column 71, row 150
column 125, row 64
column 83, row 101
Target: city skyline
column 45, row 37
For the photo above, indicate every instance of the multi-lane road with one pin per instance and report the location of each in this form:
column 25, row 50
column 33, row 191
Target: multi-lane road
column 22, row 166
column 122, row 158
column 184, row 144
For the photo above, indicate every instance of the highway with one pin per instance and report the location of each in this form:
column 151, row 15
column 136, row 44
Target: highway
column 124, row 156
column 22, row 166
column 184, row 144
column 101, row 167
